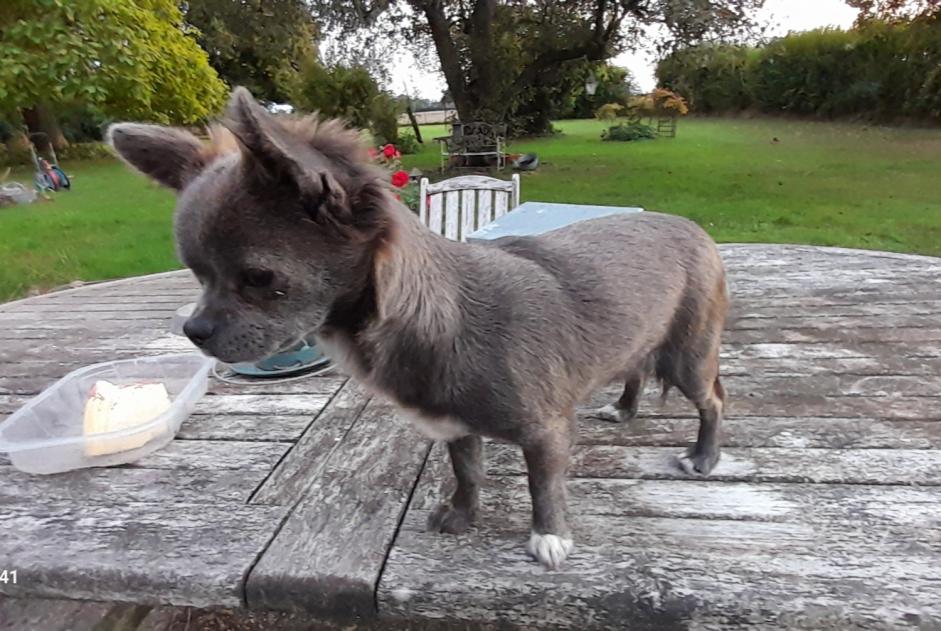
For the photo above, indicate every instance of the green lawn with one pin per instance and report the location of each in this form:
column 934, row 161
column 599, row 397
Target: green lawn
column 113, row 223
column 828, row 184
column 822, row 183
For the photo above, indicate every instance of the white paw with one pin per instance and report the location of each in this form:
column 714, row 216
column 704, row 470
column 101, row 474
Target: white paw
column 611, row 413
column 550, row 550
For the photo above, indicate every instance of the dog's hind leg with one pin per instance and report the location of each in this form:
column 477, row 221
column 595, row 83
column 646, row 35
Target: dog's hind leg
column 547, row 460
column 700, row 384
column 467, row 460
column 625, row 408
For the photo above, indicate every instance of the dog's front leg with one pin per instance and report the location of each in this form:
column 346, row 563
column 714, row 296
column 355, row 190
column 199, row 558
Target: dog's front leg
column 547, row 460
column 467, row 459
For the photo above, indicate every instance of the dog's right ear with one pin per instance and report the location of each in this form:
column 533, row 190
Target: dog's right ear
column 167, row 155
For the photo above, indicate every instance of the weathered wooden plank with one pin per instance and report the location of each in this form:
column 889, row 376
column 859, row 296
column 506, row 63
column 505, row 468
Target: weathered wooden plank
column 793, row 569
column 90, row 351
column 329, row 554
column 774, row 404
column 436, row 213
column 40, row 614
column 91, row 310
column 836, row 466
column 327, row 384
column 799, row 367
column 244, row 427
column 766, row 310
column 813, row 320
column 71, row 331
column 324, row 435
column 841, row 385
column 820, row 334
column 829, row 350
column 208, row 454
column 873, row 507
column 168, row 299
column 123, row 484
column 308, row 404
column 164, row 552
column 763, row 431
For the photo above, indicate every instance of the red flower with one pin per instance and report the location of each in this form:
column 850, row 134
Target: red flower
column 389, row 151
column 399, row 179
column 397, row 154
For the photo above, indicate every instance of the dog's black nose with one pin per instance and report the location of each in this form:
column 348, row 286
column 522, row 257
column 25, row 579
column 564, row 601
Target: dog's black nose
column 199, row 330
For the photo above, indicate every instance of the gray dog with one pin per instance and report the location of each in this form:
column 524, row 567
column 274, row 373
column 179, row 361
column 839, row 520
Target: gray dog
column 291, row 233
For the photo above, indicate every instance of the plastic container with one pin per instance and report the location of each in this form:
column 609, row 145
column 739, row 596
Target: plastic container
column 47, row 434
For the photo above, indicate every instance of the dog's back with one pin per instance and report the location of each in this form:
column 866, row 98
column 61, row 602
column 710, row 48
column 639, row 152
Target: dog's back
column 637, row 287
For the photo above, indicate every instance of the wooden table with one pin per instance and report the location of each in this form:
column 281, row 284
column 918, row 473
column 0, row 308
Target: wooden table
column 824, row 511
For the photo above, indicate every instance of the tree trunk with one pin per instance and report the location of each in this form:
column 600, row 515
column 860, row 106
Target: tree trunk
column 448, row 56
column 413, row 121
column 40, row 119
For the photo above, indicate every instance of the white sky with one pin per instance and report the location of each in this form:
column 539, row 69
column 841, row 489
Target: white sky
column 782, row 16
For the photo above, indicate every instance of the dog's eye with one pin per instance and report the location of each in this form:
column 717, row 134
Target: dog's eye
column 257, row 278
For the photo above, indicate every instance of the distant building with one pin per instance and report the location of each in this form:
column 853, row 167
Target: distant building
column 431, row 117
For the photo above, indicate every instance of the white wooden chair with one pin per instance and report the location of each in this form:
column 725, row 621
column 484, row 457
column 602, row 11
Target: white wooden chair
column 458, row 206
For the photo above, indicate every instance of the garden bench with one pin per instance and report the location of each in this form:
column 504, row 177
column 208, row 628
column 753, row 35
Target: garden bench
column 474, row 145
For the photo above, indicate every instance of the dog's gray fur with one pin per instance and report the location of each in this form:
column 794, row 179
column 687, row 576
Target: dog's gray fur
column 291, row 233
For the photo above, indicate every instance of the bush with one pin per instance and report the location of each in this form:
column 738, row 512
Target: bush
column 74, row 152
column 85, row 151
column 608, row 111
column 712, row 77
column 349, row 93
column 14, row 158
column 626, row 132
column 384, row 119
column 879, row 70
column 407, row 143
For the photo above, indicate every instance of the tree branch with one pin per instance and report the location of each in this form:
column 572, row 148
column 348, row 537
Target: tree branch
column 595, row 48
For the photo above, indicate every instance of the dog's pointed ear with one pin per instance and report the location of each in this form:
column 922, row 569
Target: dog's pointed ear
column 261, row 138
column 268, row 146
column 167, row 155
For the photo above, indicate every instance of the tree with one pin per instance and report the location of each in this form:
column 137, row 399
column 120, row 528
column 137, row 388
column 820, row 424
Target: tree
column 510, row 59
column 895, row 10
column 125, row 59
column 350, row 93
column 614, row 85
column 259, row 44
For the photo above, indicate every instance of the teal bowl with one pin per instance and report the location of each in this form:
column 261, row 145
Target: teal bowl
column 299, row 358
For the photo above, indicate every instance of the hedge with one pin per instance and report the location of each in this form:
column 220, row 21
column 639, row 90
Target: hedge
column 880, row 70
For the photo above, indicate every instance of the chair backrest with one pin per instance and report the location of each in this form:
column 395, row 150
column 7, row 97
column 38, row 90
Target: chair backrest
column 458, row 206
column 477, row 136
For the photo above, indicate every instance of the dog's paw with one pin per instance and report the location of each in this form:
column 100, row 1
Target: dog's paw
column 550, row 550
column 613, row 414
column 697, row 464
column 447, row 518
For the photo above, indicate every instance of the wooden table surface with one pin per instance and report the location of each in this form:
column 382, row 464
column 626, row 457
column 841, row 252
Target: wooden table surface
column 825, row 510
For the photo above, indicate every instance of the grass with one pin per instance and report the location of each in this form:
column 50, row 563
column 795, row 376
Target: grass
column 113, row 223
column 822, row 183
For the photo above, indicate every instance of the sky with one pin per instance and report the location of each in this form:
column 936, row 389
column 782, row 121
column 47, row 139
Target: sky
column 782, row 16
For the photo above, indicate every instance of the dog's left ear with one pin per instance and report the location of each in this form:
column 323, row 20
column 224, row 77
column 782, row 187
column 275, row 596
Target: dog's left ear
column 269, row 147
column 168, row 155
